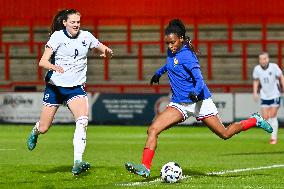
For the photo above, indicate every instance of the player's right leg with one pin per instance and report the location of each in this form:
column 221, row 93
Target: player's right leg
column 51, row 103
column 41, row 127
column 163, row 121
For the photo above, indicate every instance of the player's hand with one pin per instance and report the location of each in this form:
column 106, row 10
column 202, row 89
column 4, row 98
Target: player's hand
column 107, row 54
column 255, row 97
column 154, row 79
column 58, row 69
column 193, row 97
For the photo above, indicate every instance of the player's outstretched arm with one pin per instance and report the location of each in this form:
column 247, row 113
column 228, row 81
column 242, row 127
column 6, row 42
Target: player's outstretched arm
column 154, row 79
column 106, row 51
column 158, row 74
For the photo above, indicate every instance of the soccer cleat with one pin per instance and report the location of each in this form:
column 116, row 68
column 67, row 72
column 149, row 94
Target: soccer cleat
column 273, row 141
column 79, row 167
column 262, row 123
column 138, row 169
column 32, row 140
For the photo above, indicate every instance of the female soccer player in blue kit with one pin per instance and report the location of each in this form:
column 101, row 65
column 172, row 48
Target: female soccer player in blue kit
column 65, row 57
column 190, row 97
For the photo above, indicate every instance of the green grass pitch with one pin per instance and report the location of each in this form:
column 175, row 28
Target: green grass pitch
column 244, row 161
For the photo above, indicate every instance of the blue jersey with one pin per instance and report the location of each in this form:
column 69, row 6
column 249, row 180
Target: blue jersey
column 184, row 75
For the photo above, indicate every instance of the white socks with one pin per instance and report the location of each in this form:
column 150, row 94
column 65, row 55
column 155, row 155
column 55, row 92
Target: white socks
column 80, row 136
column 274, row 124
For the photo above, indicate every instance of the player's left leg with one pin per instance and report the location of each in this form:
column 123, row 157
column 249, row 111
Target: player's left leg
column 274, row 124
column 214, row 123
column 208, row 114
column 79, row 107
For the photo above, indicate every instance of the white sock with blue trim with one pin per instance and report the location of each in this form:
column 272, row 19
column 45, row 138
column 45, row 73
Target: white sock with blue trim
column 80, row 137
column 274, row 125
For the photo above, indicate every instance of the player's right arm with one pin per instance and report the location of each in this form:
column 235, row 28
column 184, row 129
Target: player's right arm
column 45, row 63
column 158, row 74
column 256, row 83
column 255, row 89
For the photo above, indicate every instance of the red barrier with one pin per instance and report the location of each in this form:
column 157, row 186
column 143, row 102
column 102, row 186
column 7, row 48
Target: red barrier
column 132, row 88
column 140, row 44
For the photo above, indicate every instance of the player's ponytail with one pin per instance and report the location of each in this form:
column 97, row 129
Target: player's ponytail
column 176, row 26
column 57, row 22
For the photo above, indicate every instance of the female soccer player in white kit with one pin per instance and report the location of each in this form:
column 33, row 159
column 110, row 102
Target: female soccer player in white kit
column 267, row 76
column 65, row 57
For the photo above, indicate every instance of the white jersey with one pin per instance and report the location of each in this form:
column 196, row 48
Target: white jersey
column 71, row 54
column 269, row 81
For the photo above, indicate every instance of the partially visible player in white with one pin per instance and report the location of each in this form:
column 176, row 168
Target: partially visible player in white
column 267, row 77
column 65, row 56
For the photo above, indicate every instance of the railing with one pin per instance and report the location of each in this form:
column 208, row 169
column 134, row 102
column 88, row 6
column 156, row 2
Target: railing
column 229, row 42
column 209, row 44
column 131, row 88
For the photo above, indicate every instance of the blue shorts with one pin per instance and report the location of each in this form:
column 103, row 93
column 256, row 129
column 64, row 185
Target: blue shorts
column 267, row 103
column 55, row 95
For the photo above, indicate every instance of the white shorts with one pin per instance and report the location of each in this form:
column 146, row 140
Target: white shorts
column 200, row 110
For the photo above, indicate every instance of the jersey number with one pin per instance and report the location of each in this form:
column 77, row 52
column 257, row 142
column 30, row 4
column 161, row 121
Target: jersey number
column 76, row 53
column 266, row 80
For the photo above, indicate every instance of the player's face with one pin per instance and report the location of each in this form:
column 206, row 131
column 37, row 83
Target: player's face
column 263, row 60
column 72, row 24
column 174, row 42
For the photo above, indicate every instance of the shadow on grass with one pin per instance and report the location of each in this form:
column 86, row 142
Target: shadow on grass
column 252, row 153
column 58, row 169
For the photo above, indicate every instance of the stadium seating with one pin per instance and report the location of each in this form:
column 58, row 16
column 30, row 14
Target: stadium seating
column 126, row 67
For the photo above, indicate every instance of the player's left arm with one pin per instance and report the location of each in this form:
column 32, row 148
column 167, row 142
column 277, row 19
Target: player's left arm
column 281, row 79
column 280, row 76
column 195, row 73
column 97, row 46
column 106, row 52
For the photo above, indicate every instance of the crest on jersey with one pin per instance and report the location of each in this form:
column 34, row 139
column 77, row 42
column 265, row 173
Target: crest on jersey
column 175, row 61
column 84, row 43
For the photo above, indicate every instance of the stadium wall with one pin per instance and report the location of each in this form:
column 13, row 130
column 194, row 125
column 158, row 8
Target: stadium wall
column 20, row 10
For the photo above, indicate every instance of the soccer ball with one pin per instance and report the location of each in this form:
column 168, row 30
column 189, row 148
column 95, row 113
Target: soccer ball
column 171, row 172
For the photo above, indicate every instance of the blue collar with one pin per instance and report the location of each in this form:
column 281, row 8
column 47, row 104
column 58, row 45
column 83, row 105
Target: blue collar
column 67, row 34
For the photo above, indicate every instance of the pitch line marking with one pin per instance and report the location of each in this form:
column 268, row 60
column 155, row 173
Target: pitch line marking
column 210, row 173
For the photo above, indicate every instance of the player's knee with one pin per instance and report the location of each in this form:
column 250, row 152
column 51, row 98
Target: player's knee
column 153, row 131
column 224, row 135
